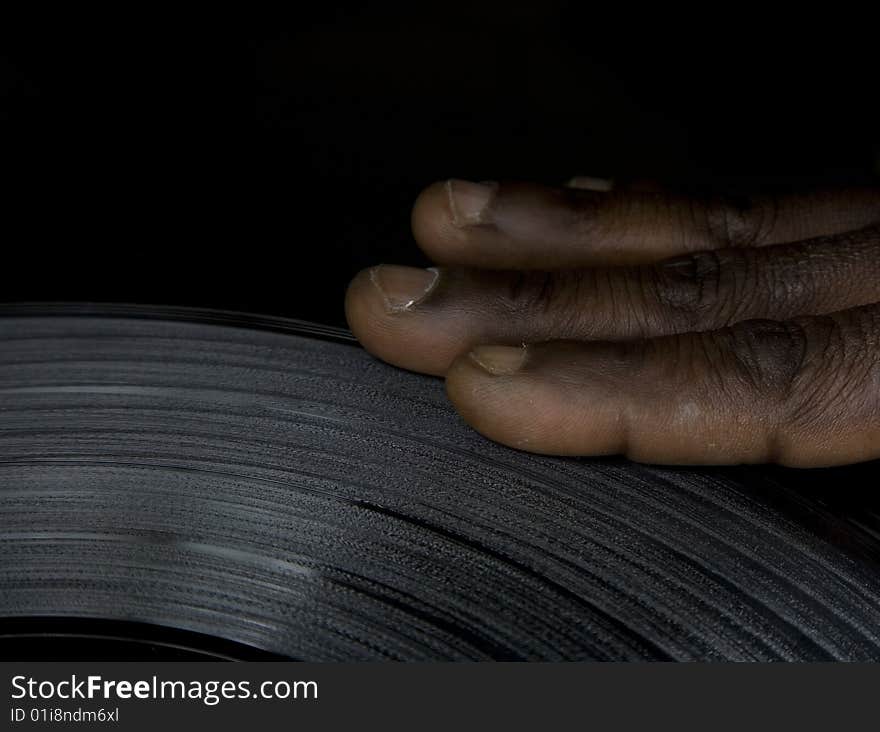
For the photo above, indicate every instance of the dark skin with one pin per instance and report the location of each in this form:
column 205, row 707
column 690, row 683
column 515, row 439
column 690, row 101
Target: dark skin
column 587, row 321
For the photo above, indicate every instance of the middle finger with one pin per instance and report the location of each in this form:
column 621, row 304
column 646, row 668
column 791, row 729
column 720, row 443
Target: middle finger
column 421, row 320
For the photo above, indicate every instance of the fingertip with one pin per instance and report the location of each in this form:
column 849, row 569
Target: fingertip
column 364, row 308
column 496, row 395
column 475, row 393
column 433, row 223
column 375, row 321
column 386, row 313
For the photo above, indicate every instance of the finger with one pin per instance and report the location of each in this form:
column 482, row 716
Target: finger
column 523, row 226
column 804, row 393
column 422, row 320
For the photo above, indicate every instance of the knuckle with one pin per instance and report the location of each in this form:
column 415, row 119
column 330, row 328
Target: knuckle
column 840, row 379
column 702, row 290
column 739, row 221
column 768, row 357
column 580, row 303
column 555, row 293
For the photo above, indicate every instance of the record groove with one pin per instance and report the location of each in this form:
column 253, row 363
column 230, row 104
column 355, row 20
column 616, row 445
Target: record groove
column 268, row 483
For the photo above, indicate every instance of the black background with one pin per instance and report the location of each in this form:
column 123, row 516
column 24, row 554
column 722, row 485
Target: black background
column 257, row 164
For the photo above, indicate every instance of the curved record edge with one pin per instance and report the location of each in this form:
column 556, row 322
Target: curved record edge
column 233, row 318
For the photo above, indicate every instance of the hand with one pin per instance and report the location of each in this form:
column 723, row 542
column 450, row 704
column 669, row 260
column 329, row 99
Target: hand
column 666, row 328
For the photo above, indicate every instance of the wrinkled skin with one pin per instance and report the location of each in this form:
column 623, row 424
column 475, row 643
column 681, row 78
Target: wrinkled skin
column 587, row 321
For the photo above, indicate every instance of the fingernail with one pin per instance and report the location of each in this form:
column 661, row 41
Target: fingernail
column 588, row 183
column 499, row 360
column 470, row 202
column 403, row 287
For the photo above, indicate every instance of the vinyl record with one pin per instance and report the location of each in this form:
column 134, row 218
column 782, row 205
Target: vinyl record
column 254, row 487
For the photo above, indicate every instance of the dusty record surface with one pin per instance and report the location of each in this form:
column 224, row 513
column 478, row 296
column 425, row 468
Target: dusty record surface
column 269, row 483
